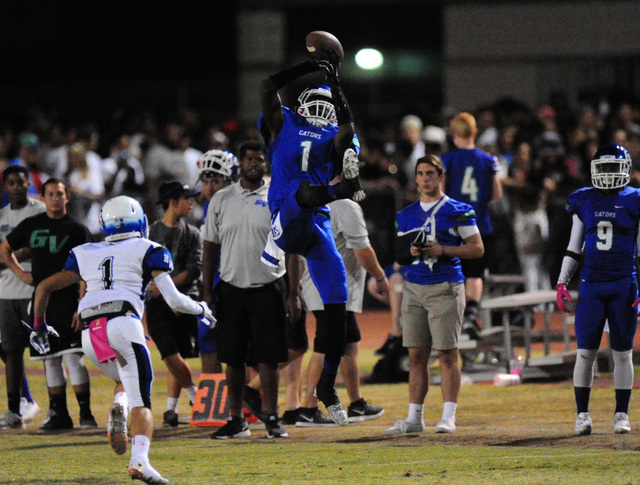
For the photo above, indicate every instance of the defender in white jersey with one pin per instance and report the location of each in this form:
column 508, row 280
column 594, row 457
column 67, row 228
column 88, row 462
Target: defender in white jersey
column 116, row 272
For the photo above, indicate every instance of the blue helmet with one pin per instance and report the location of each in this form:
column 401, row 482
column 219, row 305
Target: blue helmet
column 316, row 105
column 610, row 167
column 121, row 218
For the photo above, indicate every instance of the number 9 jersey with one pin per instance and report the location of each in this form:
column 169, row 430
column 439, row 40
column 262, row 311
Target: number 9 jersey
column 118, row 270
column 610, row 231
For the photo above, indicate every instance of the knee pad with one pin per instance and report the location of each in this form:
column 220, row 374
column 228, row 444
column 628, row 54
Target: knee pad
column 54, row 372
column 623, row 369
column 77, row 369
column 584, row 368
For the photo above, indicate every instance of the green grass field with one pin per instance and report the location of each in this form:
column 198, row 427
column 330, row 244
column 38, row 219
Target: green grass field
column 519, row 434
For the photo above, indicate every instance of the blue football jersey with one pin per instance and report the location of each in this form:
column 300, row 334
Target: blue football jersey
column 301, row 151
column 451, row 215
column 469, row 178
column 610, row 231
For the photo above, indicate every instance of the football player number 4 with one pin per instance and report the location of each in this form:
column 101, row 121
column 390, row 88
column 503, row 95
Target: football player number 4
column 605, row 235
column 469, row 185
column 306, row 150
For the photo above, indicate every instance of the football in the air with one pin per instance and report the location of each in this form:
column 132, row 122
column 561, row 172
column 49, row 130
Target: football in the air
column 319, row 43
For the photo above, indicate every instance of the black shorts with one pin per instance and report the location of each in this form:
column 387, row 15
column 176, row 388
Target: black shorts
column 324, row 340
column 172, row 333
column 251, row 326
column 63, row 304
column 15, row 337
column 474, row 268
column 297, row 333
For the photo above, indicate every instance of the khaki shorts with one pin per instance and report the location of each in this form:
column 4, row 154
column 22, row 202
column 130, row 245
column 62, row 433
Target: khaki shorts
column 432, row 315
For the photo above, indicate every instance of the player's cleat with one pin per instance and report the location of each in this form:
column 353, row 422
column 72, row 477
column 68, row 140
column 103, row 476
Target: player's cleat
column 446, row 426
column 117, row 429
column 11, row 420
column 402, row 427
column 236, row 427
column 313, row 418
column 583, row 424
column 338, row 414
column 145, row 472
column 56, row 422
column 170, row 419
column 253, row 402
column 471, row 329
column 361, row 410
column 274, row 427
column 88, row 422
column 621, row 423
column 28, row 410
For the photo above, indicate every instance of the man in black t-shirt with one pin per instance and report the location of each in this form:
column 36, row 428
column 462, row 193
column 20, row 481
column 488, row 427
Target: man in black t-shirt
column 50, row 236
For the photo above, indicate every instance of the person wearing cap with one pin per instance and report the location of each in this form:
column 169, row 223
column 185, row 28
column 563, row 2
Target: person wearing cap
column 29, row 157
column 176, row 335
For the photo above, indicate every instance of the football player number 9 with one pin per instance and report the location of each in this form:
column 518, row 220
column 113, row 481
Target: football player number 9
column 605, row 235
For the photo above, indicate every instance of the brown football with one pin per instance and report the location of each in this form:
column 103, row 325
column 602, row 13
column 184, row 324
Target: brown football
column 320, row 42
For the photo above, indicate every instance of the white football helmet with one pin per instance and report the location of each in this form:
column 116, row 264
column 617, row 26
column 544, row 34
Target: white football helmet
column 316, row 105
column 121, row 218
column 220, row 162
column 610, row 167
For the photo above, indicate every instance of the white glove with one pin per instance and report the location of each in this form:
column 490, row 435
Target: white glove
column 207, row 315
column 39, row 337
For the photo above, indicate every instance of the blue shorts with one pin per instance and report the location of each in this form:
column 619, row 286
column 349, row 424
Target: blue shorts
column 207, row 339
column 308, row 232
column 610, row 301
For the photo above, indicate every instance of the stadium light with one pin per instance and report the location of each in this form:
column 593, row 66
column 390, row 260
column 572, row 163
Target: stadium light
column 369, row 59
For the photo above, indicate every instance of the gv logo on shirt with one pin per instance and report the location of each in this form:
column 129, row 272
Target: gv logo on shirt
column 40, row 237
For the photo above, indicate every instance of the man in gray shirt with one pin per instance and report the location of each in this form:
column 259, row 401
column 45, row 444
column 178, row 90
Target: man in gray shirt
column 250, row 296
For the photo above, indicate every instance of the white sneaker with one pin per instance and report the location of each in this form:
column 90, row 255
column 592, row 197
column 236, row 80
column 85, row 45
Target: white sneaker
column 338, row 414
column 402, row 427
column 28, row 410
column 11, row 421
column 583, row 424
column 117, row 429
column 621, row 423
column 446, row 426
column 145, row 472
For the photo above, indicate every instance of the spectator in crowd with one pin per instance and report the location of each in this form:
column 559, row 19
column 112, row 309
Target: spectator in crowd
column 235, row 233
column 15, row 298
column 122, row 172
column 86, row 187
column 50, row 236
column 433, row 235
column 29, row 156
column 304, row 161
column 114, row 336
column 605, row 224
column 471, row 176
column 352, row 241
column 176, row 335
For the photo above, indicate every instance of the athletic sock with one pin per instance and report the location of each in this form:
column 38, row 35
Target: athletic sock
column 449, row 410
column 24, row 389
column 140, row 448
column 582, row 398
column 13, row 400
column 58, row 403
column 623, row 396
column 84, row 402
column 416, row 413
column 191, row 392
column 172, row 404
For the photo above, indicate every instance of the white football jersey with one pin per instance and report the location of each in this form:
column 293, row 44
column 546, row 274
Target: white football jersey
column 118, row 270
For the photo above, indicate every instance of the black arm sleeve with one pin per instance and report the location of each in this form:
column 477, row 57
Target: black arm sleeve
column 343, row 110
column 283, row 78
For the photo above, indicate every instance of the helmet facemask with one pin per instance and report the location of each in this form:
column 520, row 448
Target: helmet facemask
column 218, row 162
column 610, row 171
column 316, row 105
